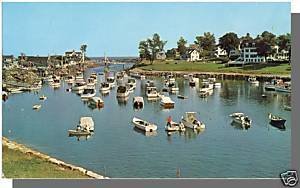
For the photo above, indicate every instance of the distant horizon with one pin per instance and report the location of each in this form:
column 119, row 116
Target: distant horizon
column 116, row 28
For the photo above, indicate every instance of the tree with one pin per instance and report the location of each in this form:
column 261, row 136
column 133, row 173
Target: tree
column 265, row 42
column 284, row 42
column 171, row 54
column 144, row 50
column 83, row 50
column 206, row 42
column 149, row 48
column 229, row 41
column 181, row 46
column 246, row 39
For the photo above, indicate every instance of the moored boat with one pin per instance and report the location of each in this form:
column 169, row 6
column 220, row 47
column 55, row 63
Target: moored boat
column 151, row 92
column 79, row 85
column 138, row 102
column 252, row 80
column 36, row 107
column 43, row 97
column 122, row 92
column 190, row 121
column 173, row 126
column 166, row 102
column 88, row 92
column 182, row 97
column 70, row 79
column 97, row 102
column 144, row 125
column 104, row 87
column 241, row 119
column 277, row 121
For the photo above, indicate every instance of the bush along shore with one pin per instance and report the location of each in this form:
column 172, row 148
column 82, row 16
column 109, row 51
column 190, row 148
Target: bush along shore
column 20, row 161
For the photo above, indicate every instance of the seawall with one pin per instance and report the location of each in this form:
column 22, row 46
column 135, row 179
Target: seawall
column 19, row 147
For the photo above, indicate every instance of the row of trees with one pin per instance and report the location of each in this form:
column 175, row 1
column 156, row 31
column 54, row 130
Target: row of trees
column 207, row 43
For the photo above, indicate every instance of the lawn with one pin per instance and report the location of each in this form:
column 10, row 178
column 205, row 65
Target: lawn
column 280, row 69
column 16, row 164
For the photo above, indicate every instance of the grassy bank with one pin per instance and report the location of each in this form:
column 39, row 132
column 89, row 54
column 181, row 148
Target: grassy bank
column 16, row 164
column 173, row 65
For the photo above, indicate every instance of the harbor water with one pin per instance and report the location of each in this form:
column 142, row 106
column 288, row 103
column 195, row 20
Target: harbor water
column 118, row 150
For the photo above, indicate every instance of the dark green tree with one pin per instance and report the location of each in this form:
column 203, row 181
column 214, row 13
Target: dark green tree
column 181, row 46
column 229, row 41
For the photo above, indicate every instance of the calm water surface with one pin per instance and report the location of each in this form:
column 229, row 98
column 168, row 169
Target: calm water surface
column 118, row 150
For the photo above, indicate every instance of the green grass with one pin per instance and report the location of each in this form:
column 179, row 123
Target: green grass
column 280, row 69
column 16, row 164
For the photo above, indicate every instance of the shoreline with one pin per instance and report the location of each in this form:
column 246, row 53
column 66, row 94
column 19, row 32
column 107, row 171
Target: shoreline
column 27, row 151
column 221, row 75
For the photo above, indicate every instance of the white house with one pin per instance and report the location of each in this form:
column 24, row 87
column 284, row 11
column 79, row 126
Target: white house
column 249, row 54
column 282, row 55
column 220, row 52
column 161, row 55
column 193, row 55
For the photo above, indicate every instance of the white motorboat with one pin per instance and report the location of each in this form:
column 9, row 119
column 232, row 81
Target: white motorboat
column 87, row 124
column 15, row 90
column 4, row 95
column 138, row 102
column 151, row 92
column 130, row 87
column 186, row 76
column 192, row 81
column 149, row 83
column 49, row 79
column 131, row 81
column 55, row 83
column 79, row 85
column 270, row 86
column 212, row 80
column 97, row 102
column 91, row 82
column 43, row 97
column 122, row 92
column 111, row 81
column 94, row 76
column 217, row 85
column 173, row 126
column 104, row 87
column 166, row 102
column 285, row 87
column 144, row 125
column 70, row 79
column 171, row 78
column 88, row 92
column 252, row 80
column 190, row 121
column 172, row 87
column 241, row 119
column 207, row 88
column 143, row 77
column 236, row 114
column 36, row 107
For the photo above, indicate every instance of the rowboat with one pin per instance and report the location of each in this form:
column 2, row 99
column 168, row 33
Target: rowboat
column 144, row 125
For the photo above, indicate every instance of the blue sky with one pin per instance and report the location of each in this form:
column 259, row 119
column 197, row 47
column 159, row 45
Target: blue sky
column 117, row 28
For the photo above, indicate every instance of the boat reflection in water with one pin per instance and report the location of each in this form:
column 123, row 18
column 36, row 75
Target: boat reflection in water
column 239, row 126
column 190, row 134
column 146, row 133
column 122, row 100
column 82, row 137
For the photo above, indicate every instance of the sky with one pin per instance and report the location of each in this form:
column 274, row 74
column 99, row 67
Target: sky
column 116, row 28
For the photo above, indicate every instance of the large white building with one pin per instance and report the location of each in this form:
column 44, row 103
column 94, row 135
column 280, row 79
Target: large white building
column 249, row 54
